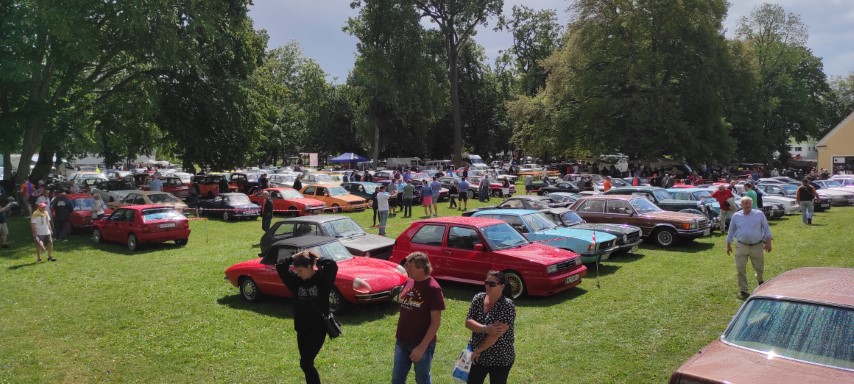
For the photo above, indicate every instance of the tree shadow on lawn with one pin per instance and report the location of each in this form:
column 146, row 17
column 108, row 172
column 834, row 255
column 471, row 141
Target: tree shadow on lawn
column 283, row 308
column 603, row 270
column 689, row 247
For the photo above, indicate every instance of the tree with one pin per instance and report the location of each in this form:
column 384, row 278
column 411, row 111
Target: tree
column 457, row 20
column 536, row 35
column 838, row 104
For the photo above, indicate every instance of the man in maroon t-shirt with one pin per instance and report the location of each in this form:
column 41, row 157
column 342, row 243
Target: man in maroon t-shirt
column 421, row 306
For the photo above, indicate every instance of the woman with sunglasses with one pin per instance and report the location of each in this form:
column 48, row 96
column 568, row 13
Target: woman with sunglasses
column 491, row 319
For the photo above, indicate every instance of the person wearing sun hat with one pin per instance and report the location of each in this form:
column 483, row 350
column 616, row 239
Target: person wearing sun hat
column 40, row 224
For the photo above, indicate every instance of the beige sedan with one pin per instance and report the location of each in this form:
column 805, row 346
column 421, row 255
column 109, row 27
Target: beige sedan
column 150, row 197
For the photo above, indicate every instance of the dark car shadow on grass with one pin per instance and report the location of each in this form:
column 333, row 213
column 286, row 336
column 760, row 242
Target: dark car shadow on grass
column 624, row 258
column 602, row 270
column 282, row 308
column 687, row 247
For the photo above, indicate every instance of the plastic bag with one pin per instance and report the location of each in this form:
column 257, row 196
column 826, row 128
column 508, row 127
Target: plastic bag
column 462, row 366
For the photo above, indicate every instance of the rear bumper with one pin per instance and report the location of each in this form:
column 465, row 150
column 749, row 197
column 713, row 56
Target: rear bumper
column 160, row 237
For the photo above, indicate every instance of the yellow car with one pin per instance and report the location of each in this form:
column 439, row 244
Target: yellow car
column 335, row 196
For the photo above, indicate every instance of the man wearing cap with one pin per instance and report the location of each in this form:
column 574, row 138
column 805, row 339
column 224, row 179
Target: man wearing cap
column 749, row 228
column 40, row 224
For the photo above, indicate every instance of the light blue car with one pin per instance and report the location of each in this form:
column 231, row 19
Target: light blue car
column 536, row 226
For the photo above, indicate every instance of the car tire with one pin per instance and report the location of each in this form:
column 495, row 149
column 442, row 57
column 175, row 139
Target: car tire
column 226, row 216
column 336, row 208
column 249, row 291
column 96, row 236
column 132, row 242
column 471, row 194
column 181, row 241
column 337, row 303
column 293, row 211
column 517, row 284
column 543, row 193
column 664, row 237
column 496, row 193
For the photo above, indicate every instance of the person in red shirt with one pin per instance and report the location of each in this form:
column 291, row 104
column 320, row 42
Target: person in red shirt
column 607, row 184
column 723, row 195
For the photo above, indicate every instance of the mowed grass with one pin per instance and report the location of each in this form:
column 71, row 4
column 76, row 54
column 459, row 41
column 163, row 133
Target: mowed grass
column 165, row 313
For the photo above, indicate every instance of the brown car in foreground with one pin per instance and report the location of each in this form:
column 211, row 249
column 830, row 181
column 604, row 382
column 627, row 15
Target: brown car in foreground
column 663, row 227
column 796, row 328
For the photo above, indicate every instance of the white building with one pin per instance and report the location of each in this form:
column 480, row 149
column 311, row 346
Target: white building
column 803, row 150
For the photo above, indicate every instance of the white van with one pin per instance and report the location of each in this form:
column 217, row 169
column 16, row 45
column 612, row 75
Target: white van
column 394, row 162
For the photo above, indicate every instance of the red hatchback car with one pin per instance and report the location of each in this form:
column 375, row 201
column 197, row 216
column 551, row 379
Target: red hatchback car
column 360, row 280
column 140, row 224
column 464, row 249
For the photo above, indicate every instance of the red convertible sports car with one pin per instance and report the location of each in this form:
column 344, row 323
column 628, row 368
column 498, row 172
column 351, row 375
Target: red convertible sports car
column 139, row 224
column 290, row 202
column 464, row 249
column 360, row 279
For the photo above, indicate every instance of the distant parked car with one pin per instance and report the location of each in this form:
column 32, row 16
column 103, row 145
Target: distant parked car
column 112, row 190
column 464, row 249
column 343, row 228
column 524, row 202
column 140, row 224
column 628, row 236
column 290, row 202
column 81, row 217
column 232, row 205
column 150, row 197
column 336, row 197
column 560, row 186
column 795, row 328
column 360, row 279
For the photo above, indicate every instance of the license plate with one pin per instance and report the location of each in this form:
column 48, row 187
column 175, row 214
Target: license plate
column 167, row 225
column 707, row 231
column 825, row 205
column 572, row 279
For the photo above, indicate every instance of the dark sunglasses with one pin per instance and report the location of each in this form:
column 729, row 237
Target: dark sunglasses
column 491, row 283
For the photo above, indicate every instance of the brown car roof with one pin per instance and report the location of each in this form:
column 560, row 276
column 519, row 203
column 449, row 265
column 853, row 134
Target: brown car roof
column 825, row 285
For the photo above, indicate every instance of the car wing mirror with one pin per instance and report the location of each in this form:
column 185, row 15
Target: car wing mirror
column 478, row 247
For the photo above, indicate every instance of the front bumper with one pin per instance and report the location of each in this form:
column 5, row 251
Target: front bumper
column 553, row 284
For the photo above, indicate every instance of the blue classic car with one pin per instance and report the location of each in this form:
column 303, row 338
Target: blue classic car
column 628, row 236
column 536, row 226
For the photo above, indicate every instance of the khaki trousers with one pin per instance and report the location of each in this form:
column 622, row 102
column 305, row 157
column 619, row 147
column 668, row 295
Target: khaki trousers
column 757, row 259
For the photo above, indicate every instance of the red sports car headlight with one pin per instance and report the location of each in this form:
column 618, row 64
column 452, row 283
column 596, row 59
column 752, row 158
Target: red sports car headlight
column 361, row 286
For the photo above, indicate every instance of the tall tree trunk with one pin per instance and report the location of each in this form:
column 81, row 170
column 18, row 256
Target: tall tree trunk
column 456, row 153
column 376, row 150
column 44, row 163
column 33, row 134
column 7, row 166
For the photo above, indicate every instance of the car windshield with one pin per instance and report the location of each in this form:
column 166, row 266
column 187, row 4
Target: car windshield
column 502, row 236
column 323, row 178
column 162, row 198
column 704, row 196
column 661, row 194
column 832, row 184
column 252, row 177
column 238, row 199
column 643, row 205
column 291, row 194
column 337, row 191
column 342, row 228
column 790, row 188
column 370, row 187
column 161, row 214
column 559, row 197
column 538, row 222
column 815, row 333
column 83, row 204
column 333, row 250
column 571, row 217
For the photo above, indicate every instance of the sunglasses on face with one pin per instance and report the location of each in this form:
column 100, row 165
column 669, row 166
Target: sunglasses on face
column 491, row 283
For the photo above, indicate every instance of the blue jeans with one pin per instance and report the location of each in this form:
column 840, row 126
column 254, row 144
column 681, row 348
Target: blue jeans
column 402, row 364
column 383, row 220
column 807, row 208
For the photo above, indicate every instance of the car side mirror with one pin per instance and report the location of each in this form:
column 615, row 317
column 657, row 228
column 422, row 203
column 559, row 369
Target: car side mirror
column 478, row 247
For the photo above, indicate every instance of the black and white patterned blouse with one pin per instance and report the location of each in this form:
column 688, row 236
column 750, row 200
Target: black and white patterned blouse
column 502, row 353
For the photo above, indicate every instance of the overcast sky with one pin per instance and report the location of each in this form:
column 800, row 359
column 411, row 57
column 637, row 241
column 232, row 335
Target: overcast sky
column 316, row 26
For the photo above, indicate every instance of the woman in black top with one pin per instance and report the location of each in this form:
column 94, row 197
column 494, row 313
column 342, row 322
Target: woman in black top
column 310, row 282
column 491, row 319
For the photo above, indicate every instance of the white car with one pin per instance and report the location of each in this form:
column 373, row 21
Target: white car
column 838, row 195
column 789, row 204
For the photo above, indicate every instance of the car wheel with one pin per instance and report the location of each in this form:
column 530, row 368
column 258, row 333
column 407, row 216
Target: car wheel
column 337, row 304
column 181, row 241
column 496, row 193
column 226, row 216
column 96, row 236
column 132, row 243
column 336, row 208
column 517, row 285
column 543, row 193
column 293, row 211
column 471, row 194
column 249, row 290
column 665, row 237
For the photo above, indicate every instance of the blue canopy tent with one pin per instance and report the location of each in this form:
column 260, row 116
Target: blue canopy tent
column 348, row 157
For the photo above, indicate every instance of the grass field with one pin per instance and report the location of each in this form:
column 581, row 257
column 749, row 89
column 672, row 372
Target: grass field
column 165, row 314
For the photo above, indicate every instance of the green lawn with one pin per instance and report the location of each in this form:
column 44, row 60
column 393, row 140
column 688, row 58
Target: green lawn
column 165, row 314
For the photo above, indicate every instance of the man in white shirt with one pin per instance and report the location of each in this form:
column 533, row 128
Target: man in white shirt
column 382, row 206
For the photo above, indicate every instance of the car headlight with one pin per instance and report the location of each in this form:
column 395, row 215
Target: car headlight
column 551, row 269
column 402, row 271
column 625, row 238
column 361, row 286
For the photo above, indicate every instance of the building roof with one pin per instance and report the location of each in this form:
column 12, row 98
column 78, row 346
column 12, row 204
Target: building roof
column 843, row 123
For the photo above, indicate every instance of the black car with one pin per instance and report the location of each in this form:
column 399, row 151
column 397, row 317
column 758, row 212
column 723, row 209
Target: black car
column 561, row 186
column 232, row 205
column 351, row 235
column 363, row 189
column 628, row 236
column 524, row 202
column 661, row 198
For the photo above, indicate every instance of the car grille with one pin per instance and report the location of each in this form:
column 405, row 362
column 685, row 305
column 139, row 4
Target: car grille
column 568, row 265
column 352, row 204
column 378, row 295
column 382, row 253
column 704, row 223
column 631, row 238
column 606, row 244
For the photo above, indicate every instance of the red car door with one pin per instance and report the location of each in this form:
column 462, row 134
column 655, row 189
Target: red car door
column 429, row 239
column 460, row 259
column 109, row 229
column 267, row 278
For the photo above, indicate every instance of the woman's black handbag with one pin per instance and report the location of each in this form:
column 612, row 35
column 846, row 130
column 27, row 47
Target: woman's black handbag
column 333, row 327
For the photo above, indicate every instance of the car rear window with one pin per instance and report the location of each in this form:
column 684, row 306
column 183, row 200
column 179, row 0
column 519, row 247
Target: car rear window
column 814, row 333
column 161, row 214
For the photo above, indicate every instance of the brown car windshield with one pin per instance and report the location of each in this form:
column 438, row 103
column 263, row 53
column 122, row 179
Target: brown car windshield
column 815, row 333
column 642, row 205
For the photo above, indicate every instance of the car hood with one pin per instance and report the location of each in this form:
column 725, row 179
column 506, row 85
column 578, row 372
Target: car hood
column 366, row 242
column 779, row 200
column 835, row 192
column 610, row 228
column 725, row 363
column 575, row 234
column 670, row 215
column 245, row 206
column 539, row 253
column 253, row 263
column 348, row 198
column 306, row 201
column 380, row 274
